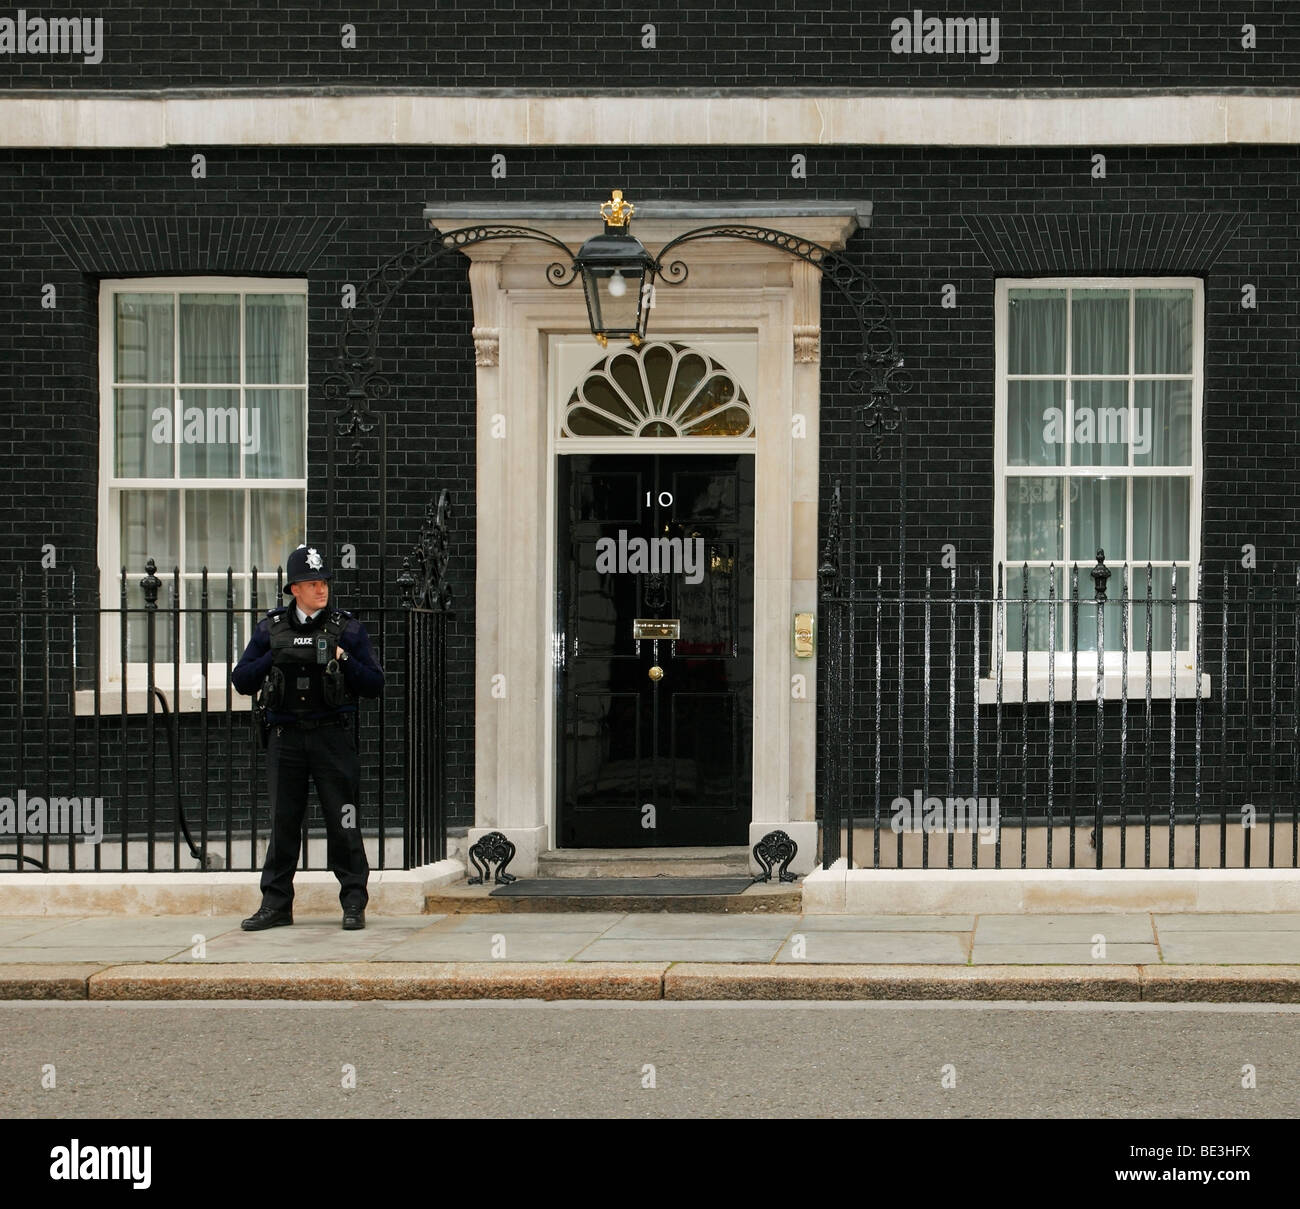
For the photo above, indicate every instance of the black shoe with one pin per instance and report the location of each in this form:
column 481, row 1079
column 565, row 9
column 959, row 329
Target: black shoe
column 354, row 918
column 268, row 917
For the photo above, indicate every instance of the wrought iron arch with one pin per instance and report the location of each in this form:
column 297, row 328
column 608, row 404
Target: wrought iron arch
column 878, row 374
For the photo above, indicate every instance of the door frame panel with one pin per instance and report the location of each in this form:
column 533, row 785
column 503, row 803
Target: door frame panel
column 515, row 739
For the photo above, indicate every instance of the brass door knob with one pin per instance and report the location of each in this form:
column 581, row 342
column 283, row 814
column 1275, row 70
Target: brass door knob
column 656, row 672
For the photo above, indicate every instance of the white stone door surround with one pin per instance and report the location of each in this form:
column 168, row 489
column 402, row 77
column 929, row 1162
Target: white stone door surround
column 735, row 289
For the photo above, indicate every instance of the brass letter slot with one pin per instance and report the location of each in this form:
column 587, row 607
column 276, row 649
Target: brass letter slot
column 804, row 627
column 654, row 627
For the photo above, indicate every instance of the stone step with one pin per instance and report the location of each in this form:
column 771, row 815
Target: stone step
column 644, row 862
column 461, row 898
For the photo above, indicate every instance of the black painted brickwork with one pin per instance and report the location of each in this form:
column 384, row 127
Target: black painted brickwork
column 725, row 44
column 920, row 239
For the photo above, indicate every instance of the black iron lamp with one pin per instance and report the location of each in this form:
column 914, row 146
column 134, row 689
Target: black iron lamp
column 617, row 276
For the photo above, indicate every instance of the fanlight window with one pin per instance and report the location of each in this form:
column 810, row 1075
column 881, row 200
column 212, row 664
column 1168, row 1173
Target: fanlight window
column 662, row 389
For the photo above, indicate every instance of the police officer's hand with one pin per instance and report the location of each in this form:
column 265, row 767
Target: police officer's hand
column 338, row 652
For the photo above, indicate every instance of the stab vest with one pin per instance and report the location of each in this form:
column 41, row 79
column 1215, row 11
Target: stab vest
column 304, row 657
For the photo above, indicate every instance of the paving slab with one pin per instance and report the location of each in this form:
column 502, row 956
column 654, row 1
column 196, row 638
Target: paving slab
column 515, row 922
column 1231, row 948
column 318, row 939
column 102, row 955
column 14, row 928
column 678, row 948
column 895, row 948
column 1244, row 921
column 62, row 980
column 704, row 927
column 1061, row 953
column 886, row 923
column 906, row 982
column 1042, row 929
column 390, row 981
column 483, row 947
column 125, row 931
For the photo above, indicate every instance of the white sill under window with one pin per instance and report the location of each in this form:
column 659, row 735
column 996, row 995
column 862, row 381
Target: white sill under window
column 190, row 701
column 1184, row 683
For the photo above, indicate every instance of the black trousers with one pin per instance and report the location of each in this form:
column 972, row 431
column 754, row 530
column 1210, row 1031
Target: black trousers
column 327, row 755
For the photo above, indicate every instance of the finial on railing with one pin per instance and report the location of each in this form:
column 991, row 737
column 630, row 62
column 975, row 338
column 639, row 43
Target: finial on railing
column 150, row 583
column 1100, row 574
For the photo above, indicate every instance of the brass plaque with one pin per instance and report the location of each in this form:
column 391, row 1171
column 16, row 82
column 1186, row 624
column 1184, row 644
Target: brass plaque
column 656, row 627
column 804, row 630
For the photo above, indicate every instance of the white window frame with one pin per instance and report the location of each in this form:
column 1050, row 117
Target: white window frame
column 1183, row 684
column 109, row 523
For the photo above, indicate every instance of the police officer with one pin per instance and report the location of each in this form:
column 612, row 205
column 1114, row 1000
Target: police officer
column 310, row 662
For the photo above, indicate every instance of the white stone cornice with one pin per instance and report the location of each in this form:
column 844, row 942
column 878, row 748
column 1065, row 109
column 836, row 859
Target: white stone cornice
column 225, row 117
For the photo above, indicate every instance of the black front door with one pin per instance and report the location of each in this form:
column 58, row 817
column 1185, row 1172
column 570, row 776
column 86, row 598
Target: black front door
column 655, row 733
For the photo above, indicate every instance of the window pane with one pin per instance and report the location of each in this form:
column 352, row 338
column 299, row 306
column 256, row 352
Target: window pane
column 275, row 434
column 1162, row 423
column 143, row 336
column 1161, row 612
column 1162, row 331
column 1037, row 616
column 1097, row 520
column 214, row 530
column 275, row 335
column 1113, row 619
column 278, row 522
column 209, row 338
column 267, row 598
column 1036, row 423
column 1033, row 519
column 1101, row 424
column 216, row 621
column 1161, row 519
column 143, row 433
column 1100, row 331
column 149, row 530
column 1036, row 331
column 210, row 433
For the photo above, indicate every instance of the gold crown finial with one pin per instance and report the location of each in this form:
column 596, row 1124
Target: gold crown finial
column 616, row 212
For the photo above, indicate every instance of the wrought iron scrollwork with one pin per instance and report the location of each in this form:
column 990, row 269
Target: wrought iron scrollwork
column 492, row 849
column 425, row 585
column 829, row 576
column 776, row 847
column 879, row 373
column 355, row 380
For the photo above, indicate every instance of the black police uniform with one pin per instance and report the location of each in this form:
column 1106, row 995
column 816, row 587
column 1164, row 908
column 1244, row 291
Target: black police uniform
column 311, row 701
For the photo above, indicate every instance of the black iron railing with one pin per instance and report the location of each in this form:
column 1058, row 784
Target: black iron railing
column 943, row 745
column 115, row 754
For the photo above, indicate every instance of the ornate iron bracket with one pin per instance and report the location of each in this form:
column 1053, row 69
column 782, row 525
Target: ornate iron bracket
column 775, row 848
column 426, row 586
column 355, row 380
column 829, row 570
column 879, row 372
column 492, row 848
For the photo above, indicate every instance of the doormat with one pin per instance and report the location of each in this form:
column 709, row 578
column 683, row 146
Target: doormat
column 626, row 887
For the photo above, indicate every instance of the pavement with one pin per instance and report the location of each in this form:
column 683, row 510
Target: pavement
column 659, row 955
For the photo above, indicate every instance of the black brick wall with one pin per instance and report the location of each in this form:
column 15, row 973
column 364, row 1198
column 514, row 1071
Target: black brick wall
column 928, row 206
column 723, row 44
